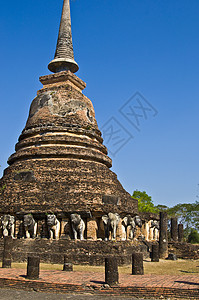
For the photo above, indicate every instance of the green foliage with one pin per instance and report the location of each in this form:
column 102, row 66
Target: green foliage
column 161, row 207
column 187, row 213
column 2, row 189
column 145, row 203
column 193, row 237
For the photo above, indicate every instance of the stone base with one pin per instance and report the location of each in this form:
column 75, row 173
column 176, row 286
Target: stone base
column 76, row 252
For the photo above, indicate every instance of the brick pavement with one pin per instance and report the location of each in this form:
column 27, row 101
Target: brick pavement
column 179, row 286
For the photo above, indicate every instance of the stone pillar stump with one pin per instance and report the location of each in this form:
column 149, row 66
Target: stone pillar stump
column 7, row 250
column 155, row 253
column 137, row 264
column 7, row 260
column 111, row 271
column 68, row 267
column 33, row 267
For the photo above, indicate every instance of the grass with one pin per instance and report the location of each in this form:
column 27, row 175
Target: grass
column 164, row 267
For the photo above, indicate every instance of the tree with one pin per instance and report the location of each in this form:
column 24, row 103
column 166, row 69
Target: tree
column 145, row 203
column 193, row 237
column 188, row 215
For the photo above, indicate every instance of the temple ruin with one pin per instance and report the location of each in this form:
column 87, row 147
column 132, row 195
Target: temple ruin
column 59, row 184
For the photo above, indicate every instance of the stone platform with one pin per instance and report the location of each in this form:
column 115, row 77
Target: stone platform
column 145, row 286
column 77, row 252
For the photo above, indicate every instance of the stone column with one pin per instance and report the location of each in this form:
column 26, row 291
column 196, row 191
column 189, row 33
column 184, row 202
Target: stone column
column 65, row 230
column 180, row 233
column 174, row 229
column 121, row 233
column 163, row 238
column 137, row 264
column 7, row 260
column 92, row 229
column 111, row 271
column 68, row 267
column 7, row 257
column 150, row 232
column 33, row 267
column 155, row 253
column 145, row 230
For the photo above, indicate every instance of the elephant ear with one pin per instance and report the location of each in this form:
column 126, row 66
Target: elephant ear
column 117, row 218
column 125, row 221
column 138, row 221
column 105, row 219
column 12, row 220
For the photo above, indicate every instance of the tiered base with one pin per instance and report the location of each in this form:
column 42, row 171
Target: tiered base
column 63, row 185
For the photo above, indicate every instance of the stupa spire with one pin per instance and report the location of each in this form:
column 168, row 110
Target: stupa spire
column 64, row 56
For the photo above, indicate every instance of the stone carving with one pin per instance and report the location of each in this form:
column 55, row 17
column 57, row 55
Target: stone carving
column 110, row 222
column 155, row 226
column 53, row 227
column 7, row 225
column 30, row 226
column 78, row 226
column 133, row 222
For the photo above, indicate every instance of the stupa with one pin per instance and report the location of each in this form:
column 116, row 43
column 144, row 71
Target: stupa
column 61, row 165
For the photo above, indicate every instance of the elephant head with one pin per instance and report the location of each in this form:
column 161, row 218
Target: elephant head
column 155, row 224
column 53, row 226
column 128, row 220
column 75, row 219
column 111, row 222
column 28, row 220
column 7, row 223
column 138, row 221
column 132, row 222
column 78, row 226
column 30, row 226
column 51, row 220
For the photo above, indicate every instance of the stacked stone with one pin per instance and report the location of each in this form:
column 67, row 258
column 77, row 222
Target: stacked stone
column 174, row 229
column 33, row 267
column 60, row 163
column 163, row 239
column 7, row 252
column 180, row 233
column 111, row 271
column 155, row 253
column 137, row 264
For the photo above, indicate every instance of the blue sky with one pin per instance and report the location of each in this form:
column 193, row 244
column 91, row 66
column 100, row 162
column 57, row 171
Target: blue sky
column 122, row 47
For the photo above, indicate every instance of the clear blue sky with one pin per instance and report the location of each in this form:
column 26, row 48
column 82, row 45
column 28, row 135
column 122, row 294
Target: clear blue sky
column 122, row 47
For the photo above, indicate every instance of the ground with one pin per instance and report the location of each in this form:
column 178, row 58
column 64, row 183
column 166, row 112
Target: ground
column 10, row 294
column 164, row 267
column 168, row 278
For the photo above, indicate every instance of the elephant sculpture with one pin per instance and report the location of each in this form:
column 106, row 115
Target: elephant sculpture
column 30, row 226
column 155, row 226
column 78, row 226
column 8, row 225
column 53, row 227
column 110, row 222
column 133, row 222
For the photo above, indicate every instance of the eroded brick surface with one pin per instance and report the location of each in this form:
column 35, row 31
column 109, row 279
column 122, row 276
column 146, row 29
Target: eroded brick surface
column 182, row 286
column 60, row 163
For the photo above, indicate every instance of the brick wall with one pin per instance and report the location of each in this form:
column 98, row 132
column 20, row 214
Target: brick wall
column 184, row 250
column 78, row 252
